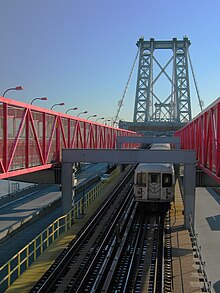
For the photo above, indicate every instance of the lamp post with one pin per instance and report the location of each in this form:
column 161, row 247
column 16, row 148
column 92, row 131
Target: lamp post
column 17, row 88
column 59, row 104
column 91, row 116
column 42, row 99
column 71, row 109
column 108, row 119
column 81, row 113
column 100, row 119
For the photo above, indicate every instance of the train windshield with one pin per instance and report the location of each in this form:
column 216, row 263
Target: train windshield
column 166, row 180
column 141, row 179
column 154, row 177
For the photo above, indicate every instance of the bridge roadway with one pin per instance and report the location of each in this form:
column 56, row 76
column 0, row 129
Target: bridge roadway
column 186, row 277
column 13, row 213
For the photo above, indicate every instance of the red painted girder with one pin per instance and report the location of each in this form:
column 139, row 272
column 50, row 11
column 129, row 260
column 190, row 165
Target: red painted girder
column 38, row 135
column 203, row 135
column 25, row 171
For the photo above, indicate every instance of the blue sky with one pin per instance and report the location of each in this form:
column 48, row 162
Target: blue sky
column 81, row 51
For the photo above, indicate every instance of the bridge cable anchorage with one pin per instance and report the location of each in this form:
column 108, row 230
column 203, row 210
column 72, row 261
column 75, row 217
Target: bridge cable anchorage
column 120, row 102
column 196, row 86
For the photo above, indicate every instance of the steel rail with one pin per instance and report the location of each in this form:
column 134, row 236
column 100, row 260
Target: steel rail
column 160, row 257
column 129, row 270
column 117, row 276
column 138, row 236
column 110, row 234
column 123, row 239
column 46, row 283
column 167, row 268
column 155, row 262
column 141, row 265
column 105, row 274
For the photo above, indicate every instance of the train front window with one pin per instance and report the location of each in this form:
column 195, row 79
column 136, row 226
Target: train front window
column 166, row 180
column 141, row 179
column 154, row 177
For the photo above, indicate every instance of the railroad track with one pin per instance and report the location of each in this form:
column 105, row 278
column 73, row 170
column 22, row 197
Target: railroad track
column 72, row 263
column 121, row 250
column 140, row 265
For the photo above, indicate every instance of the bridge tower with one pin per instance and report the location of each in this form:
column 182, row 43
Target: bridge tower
column 149, row 106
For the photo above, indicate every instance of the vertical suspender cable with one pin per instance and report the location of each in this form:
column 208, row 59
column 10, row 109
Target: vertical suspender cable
column 194, row 78
column 120, row 103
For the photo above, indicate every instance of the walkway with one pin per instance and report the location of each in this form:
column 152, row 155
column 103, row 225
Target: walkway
column 207, row 225
column 185, row 275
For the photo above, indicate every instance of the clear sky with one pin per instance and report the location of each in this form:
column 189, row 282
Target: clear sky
column 81, row 51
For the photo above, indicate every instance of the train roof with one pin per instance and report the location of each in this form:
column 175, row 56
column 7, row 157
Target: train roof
column 154, row 167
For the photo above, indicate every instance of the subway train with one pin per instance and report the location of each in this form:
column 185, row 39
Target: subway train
column 154, row 182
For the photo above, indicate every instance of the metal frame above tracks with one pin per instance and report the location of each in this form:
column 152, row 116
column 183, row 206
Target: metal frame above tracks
column 128, row 156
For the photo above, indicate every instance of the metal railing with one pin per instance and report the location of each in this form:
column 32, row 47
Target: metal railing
column 198, row 254
column 14, row 193
column 10, row 271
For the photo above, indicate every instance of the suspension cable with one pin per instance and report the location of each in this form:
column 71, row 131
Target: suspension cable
column 120, row 102
column 194, row 79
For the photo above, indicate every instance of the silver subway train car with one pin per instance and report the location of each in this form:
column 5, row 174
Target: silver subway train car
column 154, row 182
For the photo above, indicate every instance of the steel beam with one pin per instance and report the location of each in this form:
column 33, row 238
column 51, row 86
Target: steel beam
column 148, row 140
column 163, row 44
column 189, row 193
column 131, row 156
column 67, row 188
column 123, row 156
column 176, row 107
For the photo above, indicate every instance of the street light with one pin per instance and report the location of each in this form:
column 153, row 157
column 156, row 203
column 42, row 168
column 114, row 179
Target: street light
column 91, row 116
column 59, row 104
column 82, row 113
column 100, row 119
column 107, row 120
column 71, row 109
column 43, row 99
column 17, row 88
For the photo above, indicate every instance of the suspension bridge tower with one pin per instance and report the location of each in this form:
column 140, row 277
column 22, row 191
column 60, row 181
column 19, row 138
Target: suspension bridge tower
column 162, row 105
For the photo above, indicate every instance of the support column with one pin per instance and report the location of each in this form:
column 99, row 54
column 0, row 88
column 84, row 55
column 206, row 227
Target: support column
column 189, row 193
column 67, row 187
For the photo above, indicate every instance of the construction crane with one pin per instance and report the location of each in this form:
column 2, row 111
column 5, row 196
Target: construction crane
column 120, row 102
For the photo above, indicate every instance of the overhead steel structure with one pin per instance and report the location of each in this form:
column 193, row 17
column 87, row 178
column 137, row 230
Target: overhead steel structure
column 203, row 135
column 128, row 156
column 31, row 138
column 149, row 106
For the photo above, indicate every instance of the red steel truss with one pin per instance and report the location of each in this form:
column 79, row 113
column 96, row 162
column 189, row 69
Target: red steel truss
column 31, row 138
column 203, row 135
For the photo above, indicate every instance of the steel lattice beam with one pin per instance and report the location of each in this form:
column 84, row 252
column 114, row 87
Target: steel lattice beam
column 149, row 106
column 203, row 135
column 31, row 138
